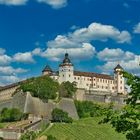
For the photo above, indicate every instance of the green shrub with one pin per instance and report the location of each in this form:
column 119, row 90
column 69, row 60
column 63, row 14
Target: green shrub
column 89, row 109
column 50, row 137
column 59, row 115
column 11, row 115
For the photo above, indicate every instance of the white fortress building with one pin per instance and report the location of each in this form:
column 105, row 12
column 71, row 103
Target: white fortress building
column 88, row 80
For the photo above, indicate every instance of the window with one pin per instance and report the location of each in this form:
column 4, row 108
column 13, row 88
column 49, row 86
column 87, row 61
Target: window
column 87, row 84
column 69, row 75
column 75, row 78
column 121, row 82
column 63, row 75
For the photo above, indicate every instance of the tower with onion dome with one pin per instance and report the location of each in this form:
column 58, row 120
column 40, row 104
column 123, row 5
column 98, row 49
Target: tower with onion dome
column 66, row 70
column 119, row 79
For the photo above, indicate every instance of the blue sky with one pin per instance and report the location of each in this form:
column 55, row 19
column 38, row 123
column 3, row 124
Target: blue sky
column 97, row 34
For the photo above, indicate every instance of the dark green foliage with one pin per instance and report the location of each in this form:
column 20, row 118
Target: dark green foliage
column 29, row 136
column 42, row 87
column 89, row 109
column 50, row 137
column 59, row 115
column 11, row 115
column 67, row 89
column 128, row 119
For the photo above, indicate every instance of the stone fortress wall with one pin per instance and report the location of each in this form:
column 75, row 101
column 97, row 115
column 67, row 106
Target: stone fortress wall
column 97, row 96
column 28, row 104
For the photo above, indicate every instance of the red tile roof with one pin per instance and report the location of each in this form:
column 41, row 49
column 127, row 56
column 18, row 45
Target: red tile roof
column 91, row 74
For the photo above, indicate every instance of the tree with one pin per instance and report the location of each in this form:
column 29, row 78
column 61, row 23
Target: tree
column 11, row 115
column 67, row 89
column 42, row 87
column 127, row 120
column 59, row 115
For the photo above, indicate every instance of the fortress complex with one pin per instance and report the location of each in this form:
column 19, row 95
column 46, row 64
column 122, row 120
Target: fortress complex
column 88, row 80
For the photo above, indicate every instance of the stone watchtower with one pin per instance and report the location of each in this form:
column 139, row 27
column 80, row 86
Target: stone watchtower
column 47, row 70
column 66, row 70
column 119, row 79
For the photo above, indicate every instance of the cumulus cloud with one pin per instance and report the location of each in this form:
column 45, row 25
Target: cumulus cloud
column 4, row 59
column 115, row 55
column 97, row 31
column 26, row 57
column 128, row 60
column 80, row 40
column 137, row 28
column 9, row 70
column 13, row 2
column 56, row 4
column 85, row 51
column 5, row 80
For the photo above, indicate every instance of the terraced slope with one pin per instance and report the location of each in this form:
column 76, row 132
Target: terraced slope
column 86, row 129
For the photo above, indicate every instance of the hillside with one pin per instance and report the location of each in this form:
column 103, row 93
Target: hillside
column 85, row 129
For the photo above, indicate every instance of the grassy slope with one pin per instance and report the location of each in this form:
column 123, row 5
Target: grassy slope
column 2, row 125
column 85, row 129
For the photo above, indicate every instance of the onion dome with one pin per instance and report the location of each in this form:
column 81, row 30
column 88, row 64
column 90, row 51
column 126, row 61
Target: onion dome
column 47, row 69
column 66, row 61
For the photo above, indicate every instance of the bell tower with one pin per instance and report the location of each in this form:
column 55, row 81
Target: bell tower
column 66, row 70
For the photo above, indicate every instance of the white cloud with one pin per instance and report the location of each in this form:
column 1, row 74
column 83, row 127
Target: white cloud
column 23, row 57
column 13, row 2
column 9, row 70
column 137, row 28
column 5, row 80
column 97, row 31
column 56, row 4
column 128, row 60
column 73, row 42
column 115, row 55
column 86, row 51
column 4, row 59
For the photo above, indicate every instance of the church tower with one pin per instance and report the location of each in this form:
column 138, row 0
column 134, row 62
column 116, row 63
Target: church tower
column 66, row 70
column 119, row 79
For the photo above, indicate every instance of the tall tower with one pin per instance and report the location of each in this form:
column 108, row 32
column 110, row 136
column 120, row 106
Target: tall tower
column 119, row 79
column 66, row 70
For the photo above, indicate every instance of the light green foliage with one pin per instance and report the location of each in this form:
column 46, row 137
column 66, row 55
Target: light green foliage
column 42, row 87
column 128, row 119
column 84, row 129
column 59, row 115
column 67, row 89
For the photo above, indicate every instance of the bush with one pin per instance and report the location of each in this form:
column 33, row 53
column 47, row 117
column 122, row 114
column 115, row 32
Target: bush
column 11, row 115
column 89, row 109
column 59, row 115
column 50, row 137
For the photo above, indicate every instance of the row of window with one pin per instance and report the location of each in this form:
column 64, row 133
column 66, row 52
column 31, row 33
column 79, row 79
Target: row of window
column 98, row 80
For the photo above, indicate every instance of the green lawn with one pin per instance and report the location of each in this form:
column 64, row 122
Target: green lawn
column 85, row 129
column 2, row 125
